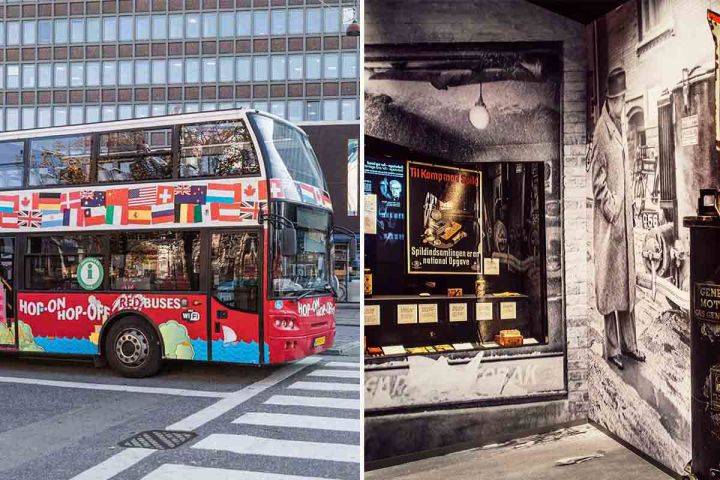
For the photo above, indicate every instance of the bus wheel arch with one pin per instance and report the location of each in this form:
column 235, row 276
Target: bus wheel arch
column 131, row 344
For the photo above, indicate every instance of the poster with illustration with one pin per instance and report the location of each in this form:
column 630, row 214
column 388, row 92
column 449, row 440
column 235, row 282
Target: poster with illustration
column 443, row 234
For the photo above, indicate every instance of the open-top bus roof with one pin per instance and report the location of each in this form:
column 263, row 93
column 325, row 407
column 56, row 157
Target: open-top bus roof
column 148, row 122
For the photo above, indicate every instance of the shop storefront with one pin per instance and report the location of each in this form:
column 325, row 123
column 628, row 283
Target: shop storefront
column 456, row 283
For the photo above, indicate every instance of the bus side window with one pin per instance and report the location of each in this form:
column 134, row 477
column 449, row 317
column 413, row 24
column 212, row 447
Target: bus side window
column 219, row 148
column 235, row 270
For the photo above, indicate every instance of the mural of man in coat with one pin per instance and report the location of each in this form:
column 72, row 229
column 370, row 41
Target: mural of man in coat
column 613, row 227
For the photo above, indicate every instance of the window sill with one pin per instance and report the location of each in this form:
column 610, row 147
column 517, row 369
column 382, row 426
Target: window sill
column 654, row 38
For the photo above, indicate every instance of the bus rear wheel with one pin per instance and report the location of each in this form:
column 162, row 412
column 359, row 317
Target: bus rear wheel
column 132, row 348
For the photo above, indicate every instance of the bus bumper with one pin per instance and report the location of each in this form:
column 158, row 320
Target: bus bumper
column 286, row 349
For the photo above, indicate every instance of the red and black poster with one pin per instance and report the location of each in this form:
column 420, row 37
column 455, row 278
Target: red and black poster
column 443, row 220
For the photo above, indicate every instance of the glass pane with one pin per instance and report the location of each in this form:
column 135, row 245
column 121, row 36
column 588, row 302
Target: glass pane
column 278, row 67
column 159, row 27
column 314, row 20
column 296, row 21
column 330, row 110
column 77, row 74
column 242, row 69
column 349, row 65
column 260, row 69
column 295, row 67
column 176, row 71
column 222, row 148
column 51, row 262
column 227, row 24
column 279, row 20
column 158, row 71
column 209, row 70
column 135, row 155
column 61, row 75
column 331, row 65
column 126, row 29
column 60, row 160
column 261, row 21
column 312, row 66
column 77, row 30
column 142, row 27
column 209, row 24
column 28, row 76
column 125, row 72
column 29, row 32
column 92, row 26
column 192, row 70
column 227, row 69
column 45, row 30
column 142, row 71
column 11, row 164
column 176, row 26
column 235, row 270
column 167, row 261
column 192, row 26
column 244, row 24
column 109, row 73
column 93, row 73
column 109, row 29
column 61, row 31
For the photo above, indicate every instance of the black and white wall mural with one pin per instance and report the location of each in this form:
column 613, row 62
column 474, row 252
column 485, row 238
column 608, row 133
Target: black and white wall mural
column 652, row 107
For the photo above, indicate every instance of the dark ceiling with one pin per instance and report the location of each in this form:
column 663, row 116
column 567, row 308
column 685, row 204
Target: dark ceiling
column 583, row 11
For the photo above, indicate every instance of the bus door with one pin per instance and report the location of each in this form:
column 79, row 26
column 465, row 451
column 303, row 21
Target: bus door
column 235, row 276
column 8, row 318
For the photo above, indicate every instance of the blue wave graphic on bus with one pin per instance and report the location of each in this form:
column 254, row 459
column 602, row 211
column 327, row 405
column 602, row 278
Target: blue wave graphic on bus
column 75, row 346
column 239, row 352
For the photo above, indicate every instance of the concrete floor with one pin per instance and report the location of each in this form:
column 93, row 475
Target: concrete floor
column 537, row 457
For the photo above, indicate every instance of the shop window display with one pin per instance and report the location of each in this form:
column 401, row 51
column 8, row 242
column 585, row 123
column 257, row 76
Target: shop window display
column 472, row 237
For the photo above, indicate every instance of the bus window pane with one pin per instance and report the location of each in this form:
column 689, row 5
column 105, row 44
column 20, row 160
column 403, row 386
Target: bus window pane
column 51, row 262
column 222, row 148
column 60, row 160
column 11, row 164
column 234, row 267
column 135, row 155
column 167, row 261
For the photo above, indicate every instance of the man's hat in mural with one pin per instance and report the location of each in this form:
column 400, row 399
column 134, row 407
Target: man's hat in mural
column 616, row 83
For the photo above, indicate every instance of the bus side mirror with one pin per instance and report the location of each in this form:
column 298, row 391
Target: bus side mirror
column 353, row 249
column 288, row 242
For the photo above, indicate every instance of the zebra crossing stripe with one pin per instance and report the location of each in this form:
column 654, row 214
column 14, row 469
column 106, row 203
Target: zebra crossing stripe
column 335, row 373
column 326, row 387
column 272, row 447
column 171, row 471
column 341, row 365
column 321, row 402
column 299, row 421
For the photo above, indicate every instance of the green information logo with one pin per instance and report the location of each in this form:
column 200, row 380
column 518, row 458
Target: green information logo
column 90, row 273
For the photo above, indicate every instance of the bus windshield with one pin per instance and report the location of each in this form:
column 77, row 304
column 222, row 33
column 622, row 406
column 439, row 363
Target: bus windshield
column 307, row 272
column 287, row 151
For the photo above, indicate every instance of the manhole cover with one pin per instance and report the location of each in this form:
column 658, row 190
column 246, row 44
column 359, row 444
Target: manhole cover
column 158, row 439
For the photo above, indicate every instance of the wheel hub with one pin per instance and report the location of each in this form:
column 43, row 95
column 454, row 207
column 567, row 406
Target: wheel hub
column 132, row 347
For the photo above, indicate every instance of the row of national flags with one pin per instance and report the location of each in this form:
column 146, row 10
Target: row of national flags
column 290, row 190
column 142, row 205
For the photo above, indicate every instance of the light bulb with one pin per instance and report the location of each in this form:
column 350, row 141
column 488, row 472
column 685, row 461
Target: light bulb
column 479, row 116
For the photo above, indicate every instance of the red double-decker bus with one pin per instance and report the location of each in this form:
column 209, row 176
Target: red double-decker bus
column 197, row 237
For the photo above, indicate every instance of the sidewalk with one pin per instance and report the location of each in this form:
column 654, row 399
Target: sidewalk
column 582, row 452
column 347, row 333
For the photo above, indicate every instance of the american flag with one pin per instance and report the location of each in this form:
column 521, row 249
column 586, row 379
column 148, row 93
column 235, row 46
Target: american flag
column 29, row 218
column 142, row 196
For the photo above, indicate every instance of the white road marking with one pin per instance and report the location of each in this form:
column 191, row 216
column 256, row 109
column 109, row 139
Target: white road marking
column 127, row 458
column 299, row 421
column 341, row 365
column 217, row 409
column 181, row 392
column 322, row 402
column 335, row 373
column 247, row 445
column 186, row 472
column 115, row 464
column 326, row 387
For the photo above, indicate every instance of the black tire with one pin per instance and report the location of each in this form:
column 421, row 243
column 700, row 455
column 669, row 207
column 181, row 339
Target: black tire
column 132, row 348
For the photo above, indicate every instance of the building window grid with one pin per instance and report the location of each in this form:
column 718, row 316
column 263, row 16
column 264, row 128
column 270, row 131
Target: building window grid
column 219, row 33
column 204, row 24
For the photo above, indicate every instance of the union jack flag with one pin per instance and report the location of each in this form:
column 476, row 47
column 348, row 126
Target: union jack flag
column 182, row 190
column 29, row 218
column 249, row 210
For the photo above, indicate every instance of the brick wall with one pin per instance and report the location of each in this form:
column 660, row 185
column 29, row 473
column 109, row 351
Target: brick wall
column 426, row 21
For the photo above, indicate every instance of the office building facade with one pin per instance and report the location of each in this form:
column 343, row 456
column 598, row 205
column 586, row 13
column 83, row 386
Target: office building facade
column 75, row 62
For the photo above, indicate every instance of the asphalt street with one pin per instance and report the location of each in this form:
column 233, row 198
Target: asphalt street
column 64, row 419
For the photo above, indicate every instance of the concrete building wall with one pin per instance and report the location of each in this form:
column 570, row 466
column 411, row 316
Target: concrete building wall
column 422, row 21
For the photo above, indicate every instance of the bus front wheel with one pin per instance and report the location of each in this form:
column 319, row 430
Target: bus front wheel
column 132, row 348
